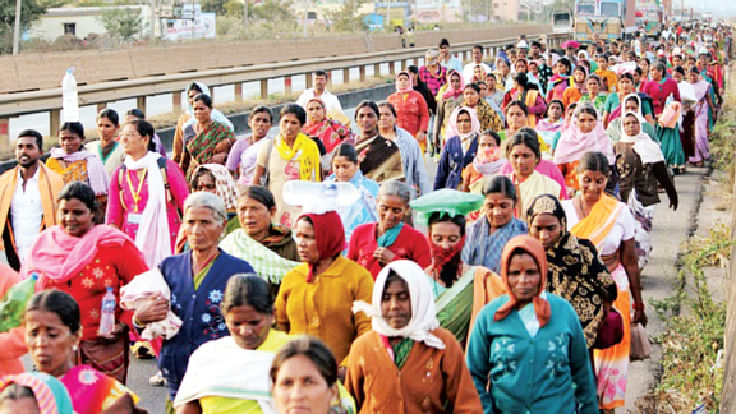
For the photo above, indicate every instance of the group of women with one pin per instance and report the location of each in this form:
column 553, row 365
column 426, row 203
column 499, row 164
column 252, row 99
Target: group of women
column 520, row 298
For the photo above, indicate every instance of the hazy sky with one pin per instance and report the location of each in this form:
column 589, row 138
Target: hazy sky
column 717, row 7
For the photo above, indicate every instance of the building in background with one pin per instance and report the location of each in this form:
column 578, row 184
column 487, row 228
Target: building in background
column 81, row 22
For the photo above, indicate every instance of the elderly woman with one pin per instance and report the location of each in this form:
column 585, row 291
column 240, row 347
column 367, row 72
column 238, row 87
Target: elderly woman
column 33, row 393
column 227, row 374
column 316, row 297
column 524, row 154
column 329, row 131
column 459, row 150
column 268, row 247
column 412, row 113
column 74, row 163
column 412, row 159
column 373, row 245
column 526, row 349
column 575, row 271
column 53, row 334
column 487, row 235
column 212, row 139
column 608, row 224
column 454, row 282
column 197, row 280
column 405, row 344
column 147, row 193
column 84, row 259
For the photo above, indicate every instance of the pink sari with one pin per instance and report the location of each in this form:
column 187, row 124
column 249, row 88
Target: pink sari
column 88, row 388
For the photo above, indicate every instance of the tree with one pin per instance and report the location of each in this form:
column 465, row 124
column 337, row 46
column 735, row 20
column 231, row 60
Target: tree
column 30, row 10
column 345, row 19
column 122, row 23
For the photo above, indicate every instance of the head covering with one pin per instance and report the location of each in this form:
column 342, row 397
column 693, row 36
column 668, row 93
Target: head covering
column 536, row 250
column 329, row 235
column 574, row 143
column 321, row 102
column 226, row 188
column 648, row 150
column 522, row 44
column 451, row 92
column 451, row 127
column 410, row 87
column 423, row 314
column 51, row 395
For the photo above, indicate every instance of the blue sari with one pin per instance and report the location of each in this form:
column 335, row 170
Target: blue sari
column 363, row 211
column 483, row 249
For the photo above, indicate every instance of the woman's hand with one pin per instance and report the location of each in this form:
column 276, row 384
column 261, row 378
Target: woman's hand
column 640, row 317
column 154, row 309
column 383, row 255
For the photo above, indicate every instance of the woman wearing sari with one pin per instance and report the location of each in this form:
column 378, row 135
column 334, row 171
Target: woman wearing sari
column 212, row 139
column 407, row 343
column 345, row 170
column 459, row 150
column 703, row 104
column 33, row 393
column 229, row 375
column 586, row 134
column 454, row 282
column 631, row 103
column 268, row 247
column 74, row 163
column 83, row 260
column 487, row 116
column 641, row 170
column 531, row 98
column 329, row 131
column 53, row 334
column 575, row 272
column 660, row 88
column 524, row 154
column 447, row 100
column 216, row 179
column 292, row 156
column 147, row 194
column 316, row 297
column 615, row 102
column 561, row 79
column 496, row 226
column 609, row 225
column 374, row 245
column 577, row 86
column 550, row 128
column 412, row 113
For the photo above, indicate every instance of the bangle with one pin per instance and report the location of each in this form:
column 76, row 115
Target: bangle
column 639, row 307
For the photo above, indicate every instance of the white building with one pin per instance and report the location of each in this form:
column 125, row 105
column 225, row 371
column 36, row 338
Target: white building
column 80, row 21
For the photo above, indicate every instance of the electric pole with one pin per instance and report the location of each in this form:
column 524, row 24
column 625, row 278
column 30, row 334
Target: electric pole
column 16, row 28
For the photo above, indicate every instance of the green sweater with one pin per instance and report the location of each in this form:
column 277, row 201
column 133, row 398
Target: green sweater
column 527, row 374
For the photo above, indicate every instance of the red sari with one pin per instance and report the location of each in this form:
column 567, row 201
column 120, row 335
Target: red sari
column 332, row 133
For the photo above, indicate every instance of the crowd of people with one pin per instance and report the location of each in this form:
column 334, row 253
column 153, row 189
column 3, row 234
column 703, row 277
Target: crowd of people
column 507, row 281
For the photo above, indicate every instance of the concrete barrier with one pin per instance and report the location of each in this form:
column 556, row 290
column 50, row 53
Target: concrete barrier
column 728, row 396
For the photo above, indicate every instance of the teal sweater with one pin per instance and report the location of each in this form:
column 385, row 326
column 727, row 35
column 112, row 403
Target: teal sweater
column 531, row 375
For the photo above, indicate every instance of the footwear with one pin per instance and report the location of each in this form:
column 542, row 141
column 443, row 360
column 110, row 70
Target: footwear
column 142, row 350
column 157, row 380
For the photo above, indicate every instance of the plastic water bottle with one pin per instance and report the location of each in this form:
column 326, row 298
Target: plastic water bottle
column 107, row 314
column 319, row 197
column 70, row 97
column 14, row 303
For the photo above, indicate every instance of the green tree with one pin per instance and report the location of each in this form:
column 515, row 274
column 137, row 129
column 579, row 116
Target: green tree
column 123, row 23
column 30, row 11
column 346, row 19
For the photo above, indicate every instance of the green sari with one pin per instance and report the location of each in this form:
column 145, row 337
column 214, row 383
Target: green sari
column 455, row 305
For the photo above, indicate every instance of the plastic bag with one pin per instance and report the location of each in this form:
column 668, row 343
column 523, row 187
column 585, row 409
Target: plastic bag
column 139, row 291
column 670, row 115
column 640, row 348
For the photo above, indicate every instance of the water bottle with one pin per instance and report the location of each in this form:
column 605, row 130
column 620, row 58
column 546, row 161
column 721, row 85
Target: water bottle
column 14, row 303
column 107, row 314
column 319, row 197
column 70, row 97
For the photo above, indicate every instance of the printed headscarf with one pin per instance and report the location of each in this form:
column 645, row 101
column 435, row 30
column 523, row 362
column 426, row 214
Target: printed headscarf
column 536, row 250
column 423, row 314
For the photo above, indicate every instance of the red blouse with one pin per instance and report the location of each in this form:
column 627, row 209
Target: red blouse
column 412, row 113
column 409, row 245
column 660, row 91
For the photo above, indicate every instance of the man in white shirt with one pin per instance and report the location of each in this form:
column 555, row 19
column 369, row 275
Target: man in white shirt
column 332, row 104
column 477, row 60
column 27, row 198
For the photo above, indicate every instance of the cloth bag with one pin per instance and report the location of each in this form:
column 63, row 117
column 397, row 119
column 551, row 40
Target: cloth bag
column 610, row 331
column 640, row 348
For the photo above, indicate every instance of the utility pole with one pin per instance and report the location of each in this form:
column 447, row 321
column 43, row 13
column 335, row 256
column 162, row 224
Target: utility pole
column 245, row 13
column 306, row 9
column 16, row 28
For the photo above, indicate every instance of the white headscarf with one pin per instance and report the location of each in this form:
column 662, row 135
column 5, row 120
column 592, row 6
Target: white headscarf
column 152, row 238
column 648, row 150
column 423, row 315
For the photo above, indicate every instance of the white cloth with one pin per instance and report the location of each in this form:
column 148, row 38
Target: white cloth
column 222, row 368
column 468, row 71
column 139, row 291
column 423, row 314
column 152, row 238
column 648, row 150
column 331, row 102
column 623, row 228
column 26, row 212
